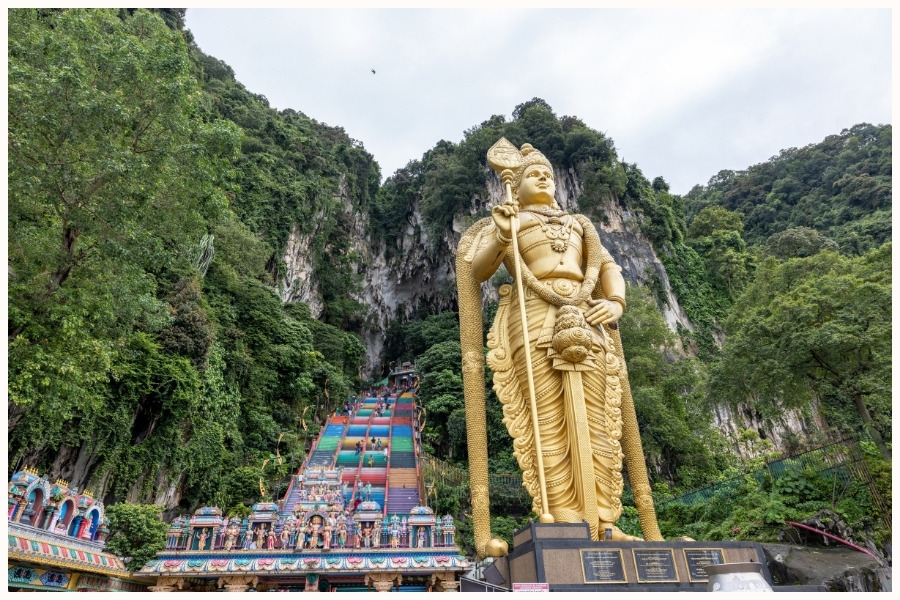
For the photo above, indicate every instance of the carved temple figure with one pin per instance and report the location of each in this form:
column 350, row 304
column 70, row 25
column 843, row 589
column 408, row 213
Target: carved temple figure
column 231, row 536
column 556, row 356
column 201, row 545
column 223, row 532
column 308, row 535
column 395, row 535
column 421, row 537
column 326, row 536
column 342, row 534
column 404, row 540
column 285, row 536
column 295, row 531
column 246, row 535
column 317, row 531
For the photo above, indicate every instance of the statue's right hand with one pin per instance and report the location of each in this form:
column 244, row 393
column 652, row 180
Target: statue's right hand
column 503, row 215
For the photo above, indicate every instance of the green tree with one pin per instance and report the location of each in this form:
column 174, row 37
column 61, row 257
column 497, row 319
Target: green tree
column 137, row 531
column 679, row 440
column 798, row 242
column 441, row 392
column 409, row 340
column 394, row 203
column 190, row 333
column 716, row 234
column 112, row 179
column 839, row 187
column 815, row 328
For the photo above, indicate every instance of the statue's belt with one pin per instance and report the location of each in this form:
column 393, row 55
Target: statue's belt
column 562, row 286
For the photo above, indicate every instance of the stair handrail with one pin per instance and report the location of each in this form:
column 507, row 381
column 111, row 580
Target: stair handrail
column 303, row 466
column 420, row 480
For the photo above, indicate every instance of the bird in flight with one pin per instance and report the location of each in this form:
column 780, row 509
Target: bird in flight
column 373, row 71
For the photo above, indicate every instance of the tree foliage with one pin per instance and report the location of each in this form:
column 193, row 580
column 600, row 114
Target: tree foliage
column 680, row 442
column 112, row 179
column 716, row 235
column 441, row 391
column 798, row 242
column 815, row 328
column 840, row 187
column 137, row 531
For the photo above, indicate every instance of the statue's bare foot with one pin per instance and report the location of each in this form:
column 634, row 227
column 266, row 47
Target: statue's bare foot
column 617, row 534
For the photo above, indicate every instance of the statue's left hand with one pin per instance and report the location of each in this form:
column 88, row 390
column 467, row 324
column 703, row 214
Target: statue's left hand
column 603, row 312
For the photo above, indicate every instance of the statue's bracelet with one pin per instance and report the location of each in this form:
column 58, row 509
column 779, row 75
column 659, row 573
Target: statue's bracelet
column 618, row 299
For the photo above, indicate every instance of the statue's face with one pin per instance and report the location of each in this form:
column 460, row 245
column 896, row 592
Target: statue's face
column 537, row 186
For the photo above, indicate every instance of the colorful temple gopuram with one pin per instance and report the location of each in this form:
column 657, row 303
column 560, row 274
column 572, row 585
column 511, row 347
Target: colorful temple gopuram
column 55, row 539
column 352, row 519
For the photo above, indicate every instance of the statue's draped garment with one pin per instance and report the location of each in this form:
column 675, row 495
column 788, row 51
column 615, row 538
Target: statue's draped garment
column 566, row 457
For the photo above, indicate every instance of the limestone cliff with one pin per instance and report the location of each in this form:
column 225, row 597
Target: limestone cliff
column 422, row 272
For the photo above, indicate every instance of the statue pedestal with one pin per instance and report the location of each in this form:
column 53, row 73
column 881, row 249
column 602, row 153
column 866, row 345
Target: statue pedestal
column 563, row 556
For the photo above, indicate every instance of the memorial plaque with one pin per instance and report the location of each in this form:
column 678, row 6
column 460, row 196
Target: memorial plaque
column 603, row 566
column 655, row 565
column 697, row 558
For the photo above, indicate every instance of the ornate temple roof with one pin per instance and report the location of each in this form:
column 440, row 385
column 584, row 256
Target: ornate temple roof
column 56, row 536
column 42, row 547
column 198, row 564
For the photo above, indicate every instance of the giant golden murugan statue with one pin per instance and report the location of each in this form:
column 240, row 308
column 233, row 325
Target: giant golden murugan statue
column 556, row 356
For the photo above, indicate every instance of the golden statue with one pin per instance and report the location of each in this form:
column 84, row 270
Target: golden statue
column 564, row 369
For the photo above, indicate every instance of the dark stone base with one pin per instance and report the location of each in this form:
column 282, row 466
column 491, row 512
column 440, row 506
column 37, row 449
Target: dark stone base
column 564, row 556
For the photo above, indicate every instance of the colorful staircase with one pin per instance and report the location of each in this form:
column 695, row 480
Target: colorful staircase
column 395, row 483
column 326, row 448
column 403, row 493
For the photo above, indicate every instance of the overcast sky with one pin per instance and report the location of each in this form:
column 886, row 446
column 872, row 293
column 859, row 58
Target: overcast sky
column 682, row 93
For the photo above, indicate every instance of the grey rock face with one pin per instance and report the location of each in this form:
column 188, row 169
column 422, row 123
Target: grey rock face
column 838, row 569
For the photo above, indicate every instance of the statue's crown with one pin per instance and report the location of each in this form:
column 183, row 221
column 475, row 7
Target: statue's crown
column 504, row 156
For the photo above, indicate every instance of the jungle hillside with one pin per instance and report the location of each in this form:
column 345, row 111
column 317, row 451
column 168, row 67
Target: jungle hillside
column 159, row 351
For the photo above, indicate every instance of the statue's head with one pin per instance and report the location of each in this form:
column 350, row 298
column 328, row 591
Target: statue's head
column 528, row 172
column 533, row 180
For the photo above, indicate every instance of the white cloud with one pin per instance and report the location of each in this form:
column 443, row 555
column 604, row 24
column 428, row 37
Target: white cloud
column 683, row 93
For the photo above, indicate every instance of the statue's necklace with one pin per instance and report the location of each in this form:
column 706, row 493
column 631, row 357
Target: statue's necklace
column 557, row 227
